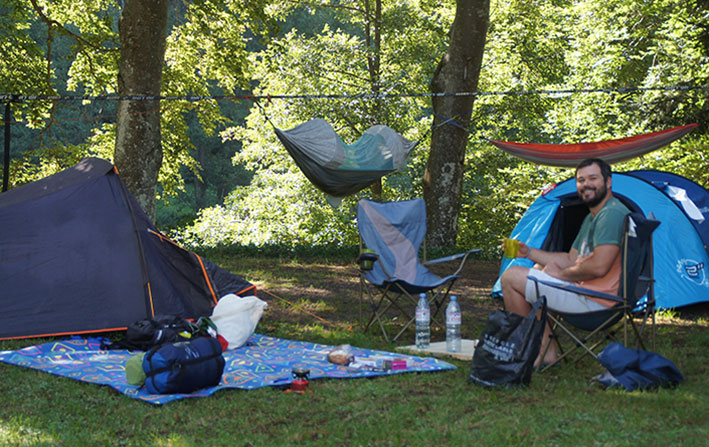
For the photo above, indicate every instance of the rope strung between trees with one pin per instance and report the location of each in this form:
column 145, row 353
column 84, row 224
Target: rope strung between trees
column 193, row 98
column 17, row 98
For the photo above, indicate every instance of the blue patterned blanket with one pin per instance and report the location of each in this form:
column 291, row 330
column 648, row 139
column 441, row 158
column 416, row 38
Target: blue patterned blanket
column 263, row 361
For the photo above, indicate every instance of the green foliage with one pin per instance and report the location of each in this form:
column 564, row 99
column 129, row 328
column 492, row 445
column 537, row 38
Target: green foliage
column 496, row 194
column 214, row 180
column 221, row 46
column 280, row 206
column 72, row 47
column 560, row 45
column 21, row 64
column 582, row 45
column 272, row 210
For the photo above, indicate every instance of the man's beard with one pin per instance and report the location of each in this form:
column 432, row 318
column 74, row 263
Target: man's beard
column 597, row 198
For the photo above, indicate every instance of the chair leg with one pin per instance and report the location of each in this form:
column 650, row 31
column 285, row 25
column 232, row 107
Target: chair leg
column 651, row 317
column 638, row 334
column 606, row 329
column 437, row 301
column 377, row 316
column 640, row 329
column 362, row 286
column 381, row 304
column 396, row 337
column 578, row 342
column 377, row 312
column 553, row 338
column 386, row 301
column 409, row 317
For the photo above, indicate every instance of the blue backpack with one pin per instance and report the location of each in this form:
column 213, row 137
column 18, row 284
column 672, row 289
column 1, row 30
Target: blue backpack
column 636, row 369
column 183, row 367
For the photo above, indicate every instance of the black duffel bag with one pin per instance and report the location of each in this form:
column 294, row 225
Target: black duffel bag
column 146, row 333
column 508, row 347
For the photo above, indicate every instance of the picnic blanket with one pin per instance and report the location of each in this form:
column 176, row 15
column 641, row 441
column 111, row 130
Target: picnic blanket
column 263, row 361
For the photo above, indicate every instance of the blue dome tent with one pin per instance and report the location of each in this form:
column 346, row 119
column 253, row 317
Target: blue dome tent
column 681, row 242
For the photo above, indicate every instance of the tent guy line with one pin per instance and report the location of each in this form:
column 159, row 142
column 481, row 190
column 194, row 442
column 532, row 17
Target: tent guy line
column 300, row 308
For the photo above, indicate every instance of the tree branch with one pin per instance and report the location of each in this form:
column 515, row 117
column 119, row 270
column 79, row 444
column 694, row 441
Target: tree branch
column 62, row 29
column 320, row 5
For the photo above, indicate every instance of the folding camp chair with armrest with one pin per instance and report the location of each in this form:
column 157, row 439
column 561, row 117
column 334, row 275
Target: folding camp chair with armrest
column 391, row 275
column 635, row 297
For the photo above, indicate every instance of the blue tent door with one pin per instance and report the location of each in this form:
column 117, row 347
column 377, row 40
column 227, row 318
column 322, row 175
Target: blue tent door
column 681, row 256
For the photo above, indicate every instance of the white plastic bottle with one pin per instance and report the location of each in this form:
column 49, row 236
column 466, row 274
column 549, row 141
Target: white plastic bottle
column 453, row 322
column 423, row 323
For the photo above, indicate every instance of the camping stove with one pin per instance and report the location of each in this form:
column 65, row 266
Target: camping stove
column 300, row 381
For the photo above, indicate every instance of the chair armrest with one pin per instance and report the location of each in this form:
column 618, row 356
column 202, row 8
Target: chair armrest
column 645, row 279
column 367, row 256
column 463, row 255
column 579, row 290
column 366, row 260
column 452, row 257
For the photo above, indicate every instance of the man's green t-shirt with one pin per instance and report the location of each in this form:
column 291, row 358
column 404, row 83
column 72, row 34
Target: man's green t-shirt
column 605, row 228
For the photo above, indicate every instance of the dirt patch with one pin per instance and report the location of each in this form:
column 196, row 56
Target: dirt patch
column 304, row 293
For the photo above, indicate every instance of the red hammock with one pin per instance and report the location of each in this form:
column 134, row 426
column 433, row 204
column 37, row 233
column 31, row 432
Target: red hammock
column 612, row 151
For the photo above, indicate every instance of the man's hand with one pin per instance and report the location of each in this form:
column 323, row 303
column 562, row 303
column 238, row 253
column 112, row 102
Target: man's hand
column 524, row 250
column 561, row 260
column 594, row 266
column 553, row 269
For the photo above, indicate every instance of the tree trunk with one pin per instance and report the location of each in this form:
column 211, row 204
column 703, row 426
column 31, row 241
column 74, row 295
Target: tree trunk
column 138, row 152
column 458, row 71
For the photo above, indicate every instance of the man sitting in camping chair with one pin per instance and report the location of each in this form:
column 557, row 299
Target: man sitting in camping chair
column 592, row 262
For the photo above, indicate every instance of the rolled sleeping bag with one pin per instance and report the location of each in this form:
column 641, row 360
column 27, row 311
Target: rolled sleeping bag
column 183, row 367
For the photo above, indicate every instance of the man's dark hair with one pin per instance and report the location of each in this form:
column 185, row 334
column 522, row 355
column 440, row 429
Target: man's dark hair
column 605, row 167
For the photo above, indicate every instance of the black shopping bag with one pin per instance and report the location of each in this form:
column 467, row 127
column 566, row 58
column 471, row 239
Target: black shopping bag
column 507, row 349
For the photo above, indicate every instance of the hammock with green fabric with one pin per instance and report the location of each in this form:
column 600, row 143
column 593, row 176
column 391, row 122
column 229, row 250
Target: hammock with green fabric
column 340, row 169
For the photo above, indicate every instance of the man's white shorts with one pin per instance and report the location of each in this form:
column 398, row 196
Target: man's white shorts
column 557, row 299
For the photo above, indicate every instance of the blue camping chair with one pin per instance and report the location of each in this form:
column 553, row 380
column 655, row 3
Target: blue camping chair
column 635, row 298
column 391, row 275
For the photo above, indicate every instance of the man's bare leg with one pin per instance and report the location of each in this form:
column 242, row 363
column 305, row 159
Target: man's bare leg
column 514, row 282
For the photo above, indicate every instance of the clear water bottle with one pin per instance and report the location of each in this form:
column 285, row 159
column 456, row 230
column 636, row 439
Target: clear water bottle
column 453, row 322
column 423, row 323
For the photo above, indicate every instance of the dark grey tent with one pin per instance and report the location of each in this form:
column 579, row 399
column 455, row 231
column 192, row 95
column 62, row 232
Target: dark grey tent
column 79, row 255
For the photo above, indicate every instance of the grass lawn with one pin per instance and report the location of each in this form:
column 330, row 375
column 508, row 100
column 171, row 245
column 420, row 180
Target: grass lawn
column 317, row 300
